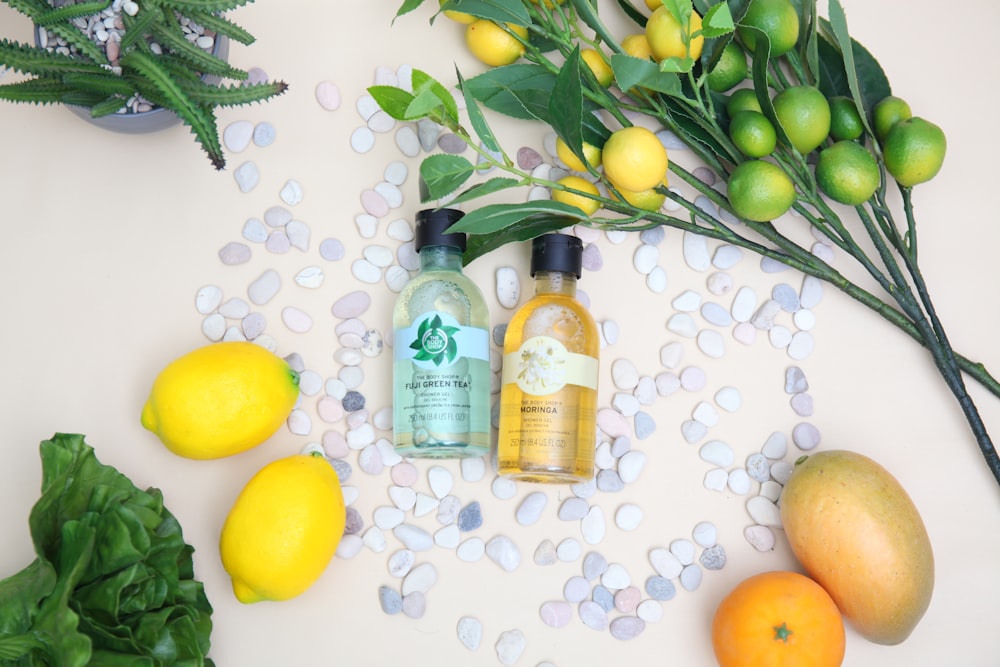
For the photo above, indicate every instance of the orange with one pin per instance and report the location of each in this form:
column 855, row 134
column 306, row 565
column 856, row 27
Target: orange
column 778, row 619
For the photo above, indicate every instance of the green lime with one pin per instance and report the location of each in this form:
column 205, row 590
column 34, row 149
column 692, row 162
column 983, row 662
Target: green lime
column 752, row 133
column 845, row 121
column 914, row 151
column 778, row 19
column 760, row 191
column 889, row 111
column 730, row 70
column 742, row 99
column 804, row 114
column 847, row 173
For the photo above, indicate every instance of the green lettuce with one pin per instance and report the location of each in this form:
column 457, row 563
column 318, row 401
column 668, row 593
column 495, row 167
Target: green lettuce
column 113, row 582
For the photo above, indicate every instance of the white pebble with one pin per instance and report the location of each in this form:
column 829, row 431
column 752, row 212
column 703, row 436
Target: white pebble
column 656, row 280
column 764, row 512
column 711, row 343
column 407, row 141
column 362, row 140
column 265, row 287
column 665, row 563
column 705, row 413
column 440, row 480
column 296, row 320
column 207, row 299
column 628, row 516
column 719, row 283
column 705, row 534
column 328, row 95
column 448, row 537
column 616, row 577
column 593, row 526
column 691, row 577
column 471, row 550
column 682, row 324
column 510, row 645
column 531, row 508
column 805, row 436
column 502, row 551
column 739, row 481
column 569, row 550
column 687, row 301
column 717, row 453
column 631, row 465
column 247, row 176
column 237, row 135
column 801, row 345
column 624, row 374
column 470, row 632
column 716, row 479
column 508, row 286
column 214, row 327
column 291, row 192
column 775, row 446
column 729, row 399
column 695, row 249
column 413, row 537
column 744, row 304
column 503, row 488
column 760, row 537
column 645, row 258
column 726, row 256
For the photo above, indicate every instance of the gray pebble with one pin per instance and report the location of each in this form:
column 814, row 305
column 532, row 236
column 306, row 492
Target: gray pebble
column 470, row 517
column 713, row 558
column 265, row 287
column 802, row 404
column 254, row 231
column 332, row 250
column 716, row 314
column 354, row 523
column 451, row 143
column 594, row 565
column 652, row 236
column 390, row 599
column 278, row 242
column 576, row 589
column 609, row 481
column 660, row 588
column 234, row 253
column 592, row 259
column 786, row 295
column 645, row 425
column 499, row 332
column 573, row 509
column 528, row 158
column 353, row 401
column 603, row 597
column 691, row 577
column 343, row 469
column 627, row 627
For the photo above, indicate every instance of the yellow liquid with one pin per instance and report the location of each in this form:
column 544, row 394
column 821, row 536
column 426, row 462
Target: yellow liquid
column 550, row 438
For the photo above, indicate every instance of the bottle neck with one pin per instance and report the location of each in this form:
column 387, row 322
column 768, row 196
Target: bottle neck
column 440, row 258
column 555, row 282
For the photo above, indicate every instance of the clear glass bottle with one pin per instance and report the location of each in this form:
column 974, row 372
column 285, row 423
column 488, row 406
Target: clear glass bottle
column 548, row 394
column 441, row 370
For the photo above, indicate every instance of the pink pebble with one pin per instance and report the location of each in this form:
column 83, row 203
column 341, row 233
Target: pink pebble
column 374, row 203
column 335, row 444
column 627, row 599
column 351, row 305
column 404, row 474
column 556, row 613
column 328, row 95
column 613, row 423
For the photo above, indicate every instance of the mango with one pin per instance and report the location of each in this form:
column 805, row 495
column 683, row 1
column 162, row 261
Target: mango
column 854, row 530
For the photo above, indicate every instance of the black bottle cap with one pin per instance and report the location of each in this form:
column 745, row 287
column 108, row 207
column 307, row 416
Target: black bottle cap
column 557, row 252
column 431, row 226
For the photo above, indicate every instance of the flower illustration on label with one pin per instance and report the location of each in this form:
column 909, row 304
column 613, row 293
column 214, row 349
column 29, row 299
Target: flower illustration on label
column 435, row 341
column 541, row 366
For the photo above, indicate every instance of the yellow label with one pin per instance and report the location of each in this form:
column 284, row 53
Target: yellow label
column 543, row 366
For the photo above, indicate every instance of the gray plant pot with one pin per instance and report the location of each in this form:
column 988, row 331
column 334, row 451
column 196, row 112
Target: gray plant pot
column 144, row 122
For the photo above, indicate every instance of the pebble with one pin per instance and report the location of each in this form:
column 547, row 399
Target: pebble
column 628, row 516
column 503, row 488
column 208, row 299
column 760, row 537
column 645, row 425
column 624, row 374
column 631, row 465
column 682, row 324
column 804, row 319
column 545, row 553
column 786, row 296
column 764, row 316
column 448, row 537
column 328, row 95
column 650, row 611
column 779, row 336
column 332, row 250
column 744, row 304
column 775, row 446
column 695, row 250
column 568, row 550
column 801, row 345
column 593, row 615
column 531, row 508
column 616, row 577
column 470, row 632
column 247, row 176
column 414, row 605
column 298, row 235
column 528, row 158
column 277, row 242
column 311, row 277
column 726, row 256
column 556, row 613
column 609, row 481
column 612, row 423
column 687, row 301
column 370, row 462
column 645, row 258
column 690, row 577
column 593, row 525
column 705, row 413
column 510, row 645
column 713, row 557
column 811, row 292
column 771, row 490
column 660, row 588
column 351, row 305
column 502, row 551
column 508, row 286
column 473, row 468
column 419, row 579
column 711, row 343
column 645, row 390
column 802, row 404
column 671, row 354
column 413, row 537
column 603, row 597
column 611, row 331
column 758, row 468
column 400, row 562
column 214, row 327
column 656, row 280
column 625, row 628
column 390, row 600
column 781, row 471
column 448, row 509
column 627, row 599
column 237, row 135
column 264, row 288
column 402, row 497
column 739, row 481
column 805, row 436
column 471, row 550
column 716, row 479
column 296, row 320
column 764, row 511
column 744, row 333
column 363, row 139
column 692, row 431
column 349, row 547
column 716, row 314
column 254, row 230
column 573, row 509
column 264, row 134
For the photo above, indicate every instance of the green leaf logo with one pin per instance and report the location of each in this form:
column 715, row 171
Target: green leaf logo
column 435, row 341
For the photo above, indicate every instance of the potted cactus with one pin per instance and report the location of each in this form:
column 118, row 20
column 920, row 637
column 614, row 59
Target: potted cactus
column 110, row 58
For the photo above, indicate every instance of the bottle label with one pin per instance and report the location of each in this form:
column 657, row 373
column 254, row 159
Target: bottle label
column 543, row 366
column 442, row 379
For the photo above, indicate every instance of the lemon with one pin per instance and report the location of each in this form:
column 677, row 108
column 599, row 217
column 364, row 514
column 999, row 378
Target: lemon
column 598, row 64
column 668, row 40
column 804, row 113
column 760, row 191
column 730, row 70
column 845, row 121
column 646, row 200
column 637, row 46
column 221, row 399
column 752, row 133
column 493, row 45
column 283, row 529
column 778, row 19
column 634, row 159
column 914, row 151
column 742, row 99
column 586, row 204
column 847, row 173
column 457, row 16
column 887, row 112
column 653, row 4
column 569, row 158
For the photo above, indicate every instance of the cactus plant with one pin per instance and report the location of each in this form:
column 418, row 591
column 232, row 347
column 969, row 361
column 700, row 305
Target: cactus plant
column 155, row 62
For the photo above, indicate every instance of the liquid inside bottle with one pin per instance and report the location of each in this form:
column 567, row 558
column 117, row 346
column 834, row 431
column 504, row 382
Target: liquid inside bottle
column 548, row 398
column 441, row 374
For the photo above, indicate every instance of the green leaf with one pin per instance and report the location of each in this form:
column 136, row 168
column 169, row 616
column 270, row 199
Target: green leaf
column 392, row 100
column 476, row 118
column 432, row 99
column 677, row 65
column 407, row 7
column 528, row 228
column 495, row 217
column 717, row 21
column 500, row 11
column 485, row 188
column 442, row 174
column 566, row 105
column 631, row 12
column 521, row 90
column 847, row 68
column 631, row 72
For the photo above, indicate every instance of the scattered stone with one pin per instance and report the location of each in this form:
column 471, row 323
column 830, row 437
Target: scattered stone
column 510, row 645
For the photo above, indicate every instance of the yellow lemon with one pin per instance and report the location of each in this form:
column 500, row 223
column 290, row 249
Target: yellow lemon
column 598, row 64
column 637, row 46
column 668, row 40
column 586, row 204
column 569, row 158
column 634, row 159
column 221, row 399
column 646, row 200
column 493, row 45
column 457, row 16
column 283, row 529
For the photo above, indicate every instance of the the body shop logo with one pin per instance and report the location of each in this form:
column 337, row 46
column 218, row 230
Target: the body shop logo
column 435, row 342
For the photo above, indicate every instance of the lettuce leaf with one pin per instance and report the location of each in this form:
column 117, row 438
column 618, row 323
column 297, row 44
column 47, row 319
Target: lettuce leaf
column 113, row 582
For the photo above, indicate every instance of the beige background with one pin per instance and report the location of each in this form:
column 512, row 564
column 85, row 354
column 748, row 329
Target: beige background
column 107, row 239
